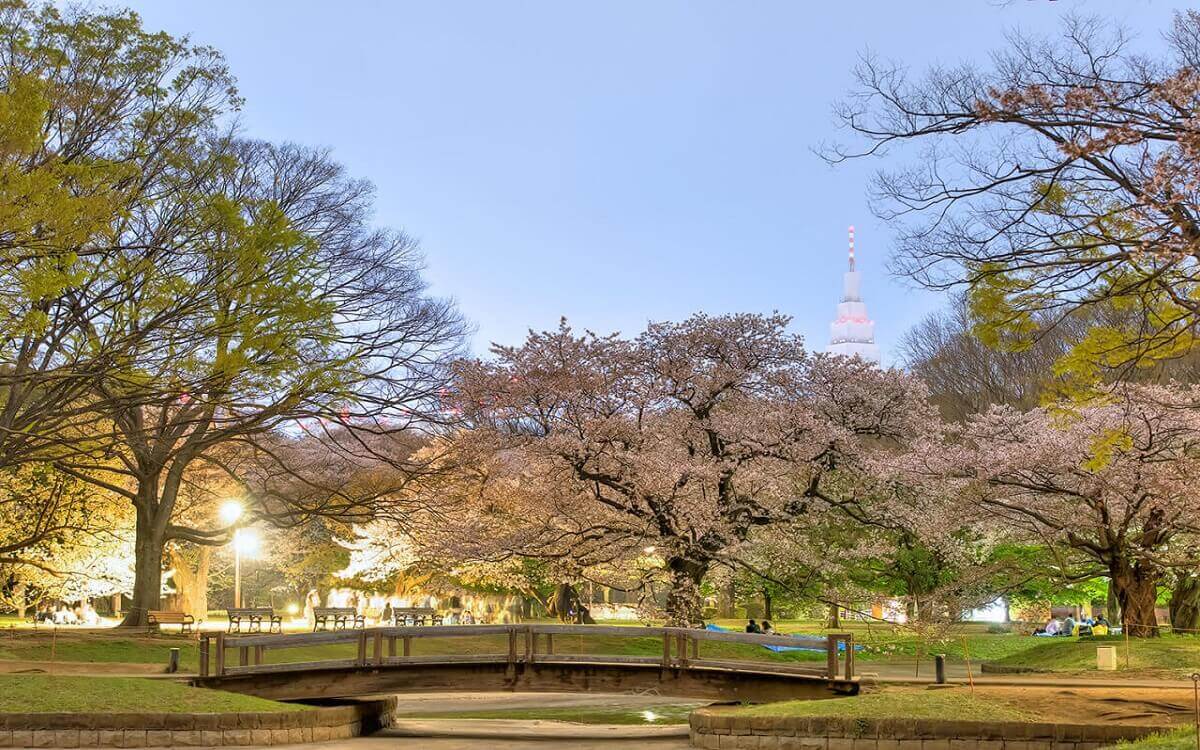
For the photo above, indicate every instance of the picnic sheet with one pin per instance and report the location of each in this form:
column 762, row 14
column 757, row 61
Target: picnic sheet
column 818, row 642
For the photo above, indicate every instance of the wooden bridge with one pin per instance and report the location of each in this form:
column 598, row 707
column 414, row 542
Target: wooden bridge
column 481, row 658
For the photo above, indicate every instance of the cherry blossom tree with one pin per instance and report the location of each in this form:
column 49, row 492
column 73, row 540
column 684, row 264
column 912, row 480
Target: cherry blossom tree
column 1112, row 480
column 672, row 446
column 1060, row 176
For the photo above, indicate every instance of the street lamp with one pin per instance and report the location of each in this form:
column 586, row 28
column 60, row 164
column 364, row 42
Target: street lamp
column 231, row 512
column 245, row 542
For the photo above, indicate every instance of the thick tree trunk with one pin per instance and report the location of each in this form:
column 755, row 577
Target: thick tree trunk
column 1185, row 605
column 191, row 580
column 1136, row 591
column 768, row 611
column 147, row 572
column 19, row 596
column 684, row 606
column 726, row 599
column 835, row 616
column 1112, row 608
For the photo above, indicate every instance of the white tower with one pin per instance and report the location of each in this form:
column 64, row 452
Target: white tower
column 853, row 333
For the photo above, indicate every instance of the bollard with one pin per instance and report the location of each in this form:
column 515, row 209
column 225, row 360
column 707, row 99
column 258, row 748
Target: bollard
column 173, row 661
column 939, row 669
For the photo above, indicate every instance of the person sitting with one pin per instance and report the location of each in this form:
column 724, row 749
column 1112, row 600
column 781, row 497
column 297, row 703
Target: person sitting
column 1054, row 627
column 1069, row 626
column 752, row 627
column 1100, row 628
column 767, row 627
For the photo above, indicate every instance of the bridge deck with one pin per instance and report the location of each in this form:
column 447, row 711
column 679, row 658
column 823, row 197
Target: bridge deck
column 381, row 660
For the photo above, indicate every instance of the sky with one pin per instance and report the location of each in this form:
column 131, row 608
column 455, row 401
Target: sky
column 612, row 162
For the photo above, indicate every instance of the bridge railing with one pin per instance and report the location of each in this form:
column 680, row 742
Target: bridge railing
column 532, row 643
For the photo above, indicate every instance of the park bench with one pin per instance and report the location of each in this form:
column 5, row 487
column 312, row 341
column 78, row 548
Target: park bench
column 342, row 618
column 416, row 616
column 253, row 618
column 157, row 618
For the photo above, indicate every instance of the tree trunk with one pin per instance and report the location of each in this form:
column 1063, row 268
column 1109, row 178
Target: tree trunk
column 835, row 616
column 684, row 606
column 1136, row 591
column 768, row 612
column 147, row 572
column 19, row 596
column 1112, row 609
column 726, row 599
column 191, row 579
column 1185, row 604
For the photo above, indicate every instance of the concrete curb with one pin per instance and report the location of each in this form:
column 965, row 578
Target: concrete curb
column 139, row 730
column 726, row 730
column 536, row 729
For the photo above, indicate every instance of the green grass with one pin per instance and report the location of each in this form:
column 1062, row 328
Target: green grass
column 664, row 714
column 1172, row 653
column 1180, row 739
column 62, row 694
column 97, row 647
column 923, row 704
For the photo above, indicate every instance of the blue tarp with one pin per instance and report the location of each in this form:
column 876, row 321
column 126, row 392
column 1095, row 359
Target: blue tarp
column 817, row 641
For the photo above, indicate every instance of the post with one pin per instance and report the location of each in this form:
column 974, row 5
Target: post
column 362, row 648
column 512, row 646
column 681, row 648
column 831, row 660
column 244, row 656
column 220, row 670
column 173, row 661
column 666, row 662
column 939, row 669
column 259, row 653
column 849, row 656
column 204, row 655
column 378, row 649
column 391, row 645
column 408, row 645
column 237, row 571
column 550, row 643
column 530, row 646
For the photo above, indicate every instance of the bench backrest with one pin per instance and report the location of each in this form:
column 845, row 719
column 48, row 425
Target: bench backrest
column 335, row 610
column 251, row 612
column 414, row 610
column 164, row 616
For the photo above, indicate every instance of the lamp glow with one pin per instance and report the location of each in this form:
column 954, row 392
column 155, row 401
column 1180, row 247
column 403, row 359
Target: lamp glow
column 231, row 511
column 245, row 541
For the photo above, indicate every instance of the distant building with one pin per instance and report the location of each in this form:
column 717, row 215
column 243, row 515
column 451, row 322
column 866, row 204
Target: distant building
column 852, row 332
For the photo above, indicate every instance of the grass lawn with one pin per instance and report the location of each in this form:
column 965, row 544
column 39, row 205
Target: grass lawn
column 61, row 694
column 892, row 704
column 1180, row 739
column 664, row 714
column 1172, row 653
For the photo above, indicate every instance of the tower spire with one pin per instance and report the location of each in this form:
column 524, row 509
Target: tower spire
column 852, row 332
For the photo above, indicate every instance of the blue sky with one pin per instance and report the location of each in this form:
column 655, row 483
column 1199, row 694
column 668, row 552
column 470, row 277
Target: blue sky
column 613, row 162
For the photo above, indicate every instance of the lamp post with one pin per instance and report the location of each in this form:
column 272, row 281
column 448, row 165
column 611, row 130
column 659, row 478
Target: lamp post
column 231, row 511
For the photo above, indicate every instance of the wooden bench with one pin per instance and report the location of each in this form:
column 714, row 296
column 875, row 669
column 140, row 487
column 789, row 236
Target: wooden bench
column 342, row 617
column 157, row 618
column 416, row 616
column 253, row 618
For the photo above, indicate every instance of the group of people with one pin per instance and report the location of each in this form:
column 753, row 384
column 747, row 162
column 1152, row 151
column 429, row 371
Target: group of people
column 765, row 629
column 64, row 614
column 1069, row 627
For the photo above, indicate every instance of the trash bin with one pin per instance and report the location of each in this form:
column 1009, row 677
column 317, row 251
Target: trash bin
column 1106, row 658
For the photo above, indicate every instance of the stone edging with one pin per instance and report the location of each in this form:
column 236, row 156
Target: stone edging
column 713, row 728
column 194, row 730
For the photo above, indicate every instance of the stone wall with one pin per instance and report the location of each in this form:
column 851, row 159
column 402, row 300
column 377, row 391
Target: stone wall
column 714, row 728
column 193, row 730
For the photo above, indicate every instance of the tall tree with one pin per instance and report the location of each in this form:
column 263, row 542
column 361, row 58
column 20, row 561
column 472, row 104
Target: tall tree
column 297, row 312
column 1059, row 178
column 94, row 113
column 1111, row 481
column 677, row 443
